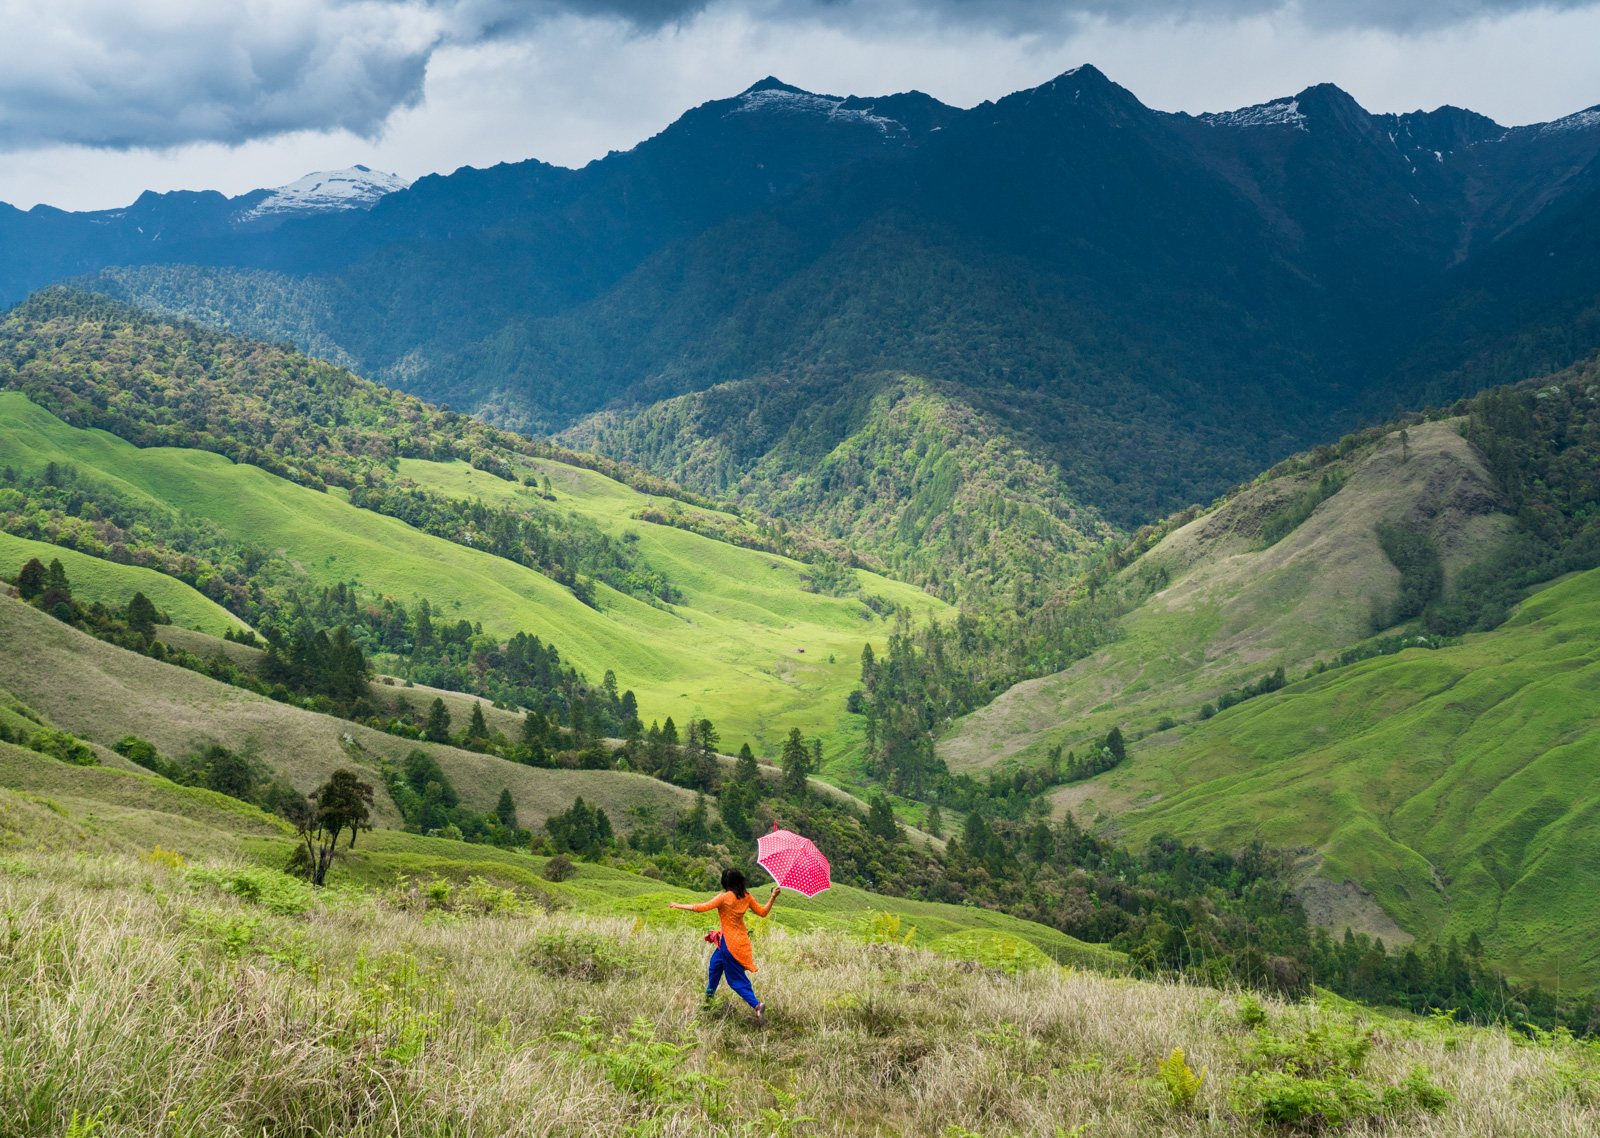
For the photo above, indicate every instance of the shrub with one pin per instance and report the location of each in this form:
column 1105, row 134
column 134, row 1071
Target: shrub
column 169, row 858
column 579, row 956
column 274, row 891
column 1315, row 1079
column 638, row 1063
column 560, row 867
column 60, row 745
column 884, row 928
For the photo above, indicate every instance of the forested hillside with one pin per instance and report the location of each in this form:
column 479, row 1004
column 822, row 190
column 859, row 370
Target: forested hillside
column 947, row 496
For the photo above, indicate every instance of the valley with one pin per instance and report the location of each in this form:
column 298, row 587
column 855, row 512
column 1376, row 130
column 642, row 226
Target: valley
column 1154, row 556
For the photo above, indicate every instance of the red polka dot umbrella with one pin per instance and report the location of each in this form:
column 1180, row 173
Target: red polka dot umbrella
column 794, row 862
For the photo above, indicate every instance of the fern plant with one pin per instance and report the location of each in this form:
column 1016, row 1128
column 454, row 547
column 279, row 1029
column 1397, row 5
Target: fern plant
column 1180, row 1081
column 85, row 1127
column 884, row 928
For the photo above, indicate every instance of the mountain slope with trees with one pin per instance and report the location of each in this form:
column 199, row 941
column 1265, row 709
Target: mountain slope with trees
column 1159, row 305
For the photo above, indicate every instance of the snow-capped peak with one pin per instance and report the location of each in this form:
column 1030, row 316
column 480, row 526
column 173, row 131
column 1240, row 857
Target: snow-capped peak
column 1285, row 112
column 326, row 191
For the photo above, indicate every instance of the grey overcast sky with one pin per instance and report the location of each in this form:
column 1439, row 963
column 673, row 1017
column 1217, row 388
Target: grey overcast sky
column 101, row 99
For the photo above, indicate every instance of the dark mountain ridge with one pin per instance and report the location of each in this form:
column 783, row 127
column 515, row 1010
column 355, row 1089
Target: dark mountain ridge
column 1157, row 303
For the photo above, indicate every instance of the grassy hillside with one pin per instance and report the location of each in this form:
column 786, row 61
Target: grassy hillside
column 946, row 495
column 133, row 811
column 1455, row 790
column 95, row 579
column 732, row 650
column 104, row 693
column 152, row 997
column 1224, row 610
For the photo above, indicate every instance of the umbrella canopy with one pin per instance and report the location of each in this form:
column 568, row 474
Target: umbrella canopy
column 794, row 862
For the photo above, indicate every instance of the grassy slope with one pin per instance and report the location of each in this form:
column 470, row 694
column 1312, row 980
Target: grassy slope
column 154, row 1003
column 95, row 579
column 137, row 811
column 103, row 693
column 730, row 652
column 1232, row 612
column 1459, row 786
column 743, row 620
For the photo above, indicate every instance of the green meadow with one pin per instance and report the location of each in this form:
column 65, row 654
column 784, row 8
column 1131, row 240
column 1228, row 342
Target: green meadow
column 1461, row 786
column 95, row 579
column 748, row 647
column 1223, row 609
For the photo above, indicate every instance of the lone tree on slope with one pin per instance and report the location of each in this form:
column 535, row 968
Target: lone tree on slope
column 342, row 803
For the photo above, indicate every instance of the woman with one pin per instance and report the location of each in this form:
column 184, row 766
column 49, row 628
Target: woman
column 733, row 956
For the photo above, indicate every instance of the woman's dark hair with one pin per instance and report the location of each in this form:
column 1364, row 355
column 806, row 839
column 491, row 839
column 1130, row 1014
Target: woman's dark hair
column 733, row 882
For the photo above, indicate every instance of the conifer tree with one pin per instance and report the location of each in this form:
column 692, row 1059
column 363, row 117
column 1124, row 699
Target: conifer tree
column 438, row 728
column 1115, row 745
column 747, row 772
column 579, row 722
column 30, row 582
column 477, row 729
column 796, row 764
column 669, row 750
column 880, row 819
column 423, row 636
column 142, row 615
column 534, row 730
column 506, row 810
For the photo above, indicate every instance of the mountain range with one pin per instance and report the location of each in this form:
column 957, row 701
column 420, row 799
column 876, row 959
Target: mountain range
column 1149, row 306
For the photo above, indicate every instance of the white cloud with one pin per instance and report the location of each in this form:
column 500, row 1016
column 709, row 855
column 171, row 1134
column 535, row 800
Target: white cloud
column 109, row 73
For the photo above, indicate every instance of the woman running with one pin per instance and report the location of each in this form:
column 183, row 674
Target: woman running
column 733, row 956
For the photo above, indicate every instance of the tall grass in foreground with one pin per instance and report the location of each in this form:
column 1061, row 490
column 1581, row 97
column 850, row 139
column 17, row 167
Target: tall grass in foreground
column 150, row 999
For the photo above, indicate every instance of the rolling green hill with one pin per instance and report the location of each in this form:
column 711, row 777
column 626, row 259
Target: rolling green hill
column 131, row 811
column 747, row 645
column 1222, row 610
column 1438, row 793
column 946, row 494
column 103, row 693
column 95, row 579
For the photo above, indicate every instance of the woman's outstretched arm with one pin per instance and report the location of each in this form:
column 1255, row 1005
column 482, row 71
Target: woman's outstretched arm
column 702, row 907
column 771, row 901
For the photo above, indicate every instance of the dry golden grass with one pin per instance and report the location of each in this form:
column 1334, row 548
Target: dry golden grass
column 136, row 995
column 102, row 693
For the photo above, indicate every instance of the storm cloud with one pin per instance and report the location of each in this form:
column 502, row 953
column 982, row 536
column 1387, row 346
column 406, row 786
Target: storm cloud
column 168, row 73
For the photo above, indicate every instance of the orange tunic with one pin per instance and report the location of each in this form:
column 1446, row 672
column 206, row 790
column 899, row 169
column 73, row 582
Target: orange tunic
column 730, row 911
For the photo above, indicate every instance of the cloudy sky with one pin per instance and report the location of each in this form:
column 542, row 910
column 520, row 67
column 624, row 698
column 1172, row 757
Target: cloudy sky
column 100, row 99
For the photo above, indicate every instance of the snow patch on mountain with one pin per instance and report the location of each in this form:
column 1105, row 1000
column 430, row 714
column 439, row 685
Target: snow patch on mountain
column 780, row 102
column 1286, row 112
column 325, row 191
column 1583, row 120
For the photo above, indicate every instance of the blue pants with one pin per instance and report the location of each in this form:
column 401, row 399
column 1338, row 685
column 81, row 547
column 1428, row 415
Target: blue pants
column 723, row 965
